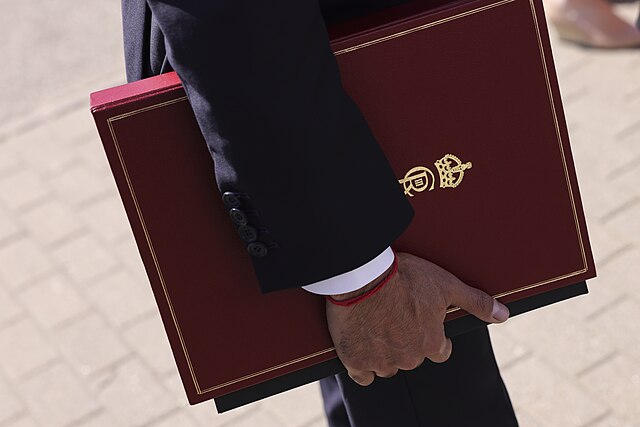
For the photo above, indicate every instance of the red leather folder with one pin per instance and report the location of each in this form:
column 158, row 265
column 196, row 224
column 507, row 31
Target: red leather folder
column 464, row 102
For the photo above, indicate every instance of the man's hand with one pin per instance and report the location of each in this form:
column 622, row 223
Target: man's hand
column 402, row 324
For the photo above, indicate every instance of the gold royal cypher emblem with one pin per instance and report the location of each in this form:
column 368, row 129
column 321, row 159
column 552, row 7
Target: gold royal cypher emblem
column 420, row 178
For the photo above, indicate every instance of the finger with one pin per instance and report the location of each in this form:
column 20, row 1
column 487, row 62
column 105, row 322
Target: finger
column 411, row 364
column 363, row 378
column 437, row 346
column 478, row 303
column 387, row 373
column 444, row 354
column 419, row 363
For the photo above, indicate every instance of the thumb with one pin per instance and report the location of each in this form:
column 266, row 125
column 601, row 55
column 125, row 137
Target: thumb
column 478, row 303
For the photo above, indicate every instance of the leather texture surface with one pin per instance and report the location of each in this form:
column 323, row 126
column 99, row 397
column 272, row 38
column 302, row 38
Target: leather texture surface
column 475, row 80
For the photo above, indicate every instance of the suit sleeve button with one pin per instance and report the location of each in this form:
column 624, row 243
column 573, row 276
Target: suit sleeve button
column 230, row 200
column 248, row 233
column 237, row 216
column 257, row 249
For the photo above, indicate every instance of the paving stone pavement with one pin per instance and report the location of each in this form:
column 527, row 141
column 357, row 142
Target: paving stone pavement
column 81, row 342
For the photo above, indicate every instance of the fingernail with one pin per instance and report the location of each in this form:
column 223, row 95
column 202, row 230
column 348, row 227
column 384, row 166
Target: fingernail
column 500, row 312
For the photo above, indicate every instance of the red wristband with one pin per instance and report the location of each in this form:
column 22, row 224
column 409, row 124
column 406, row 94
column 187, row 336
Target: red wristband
column 362, row 297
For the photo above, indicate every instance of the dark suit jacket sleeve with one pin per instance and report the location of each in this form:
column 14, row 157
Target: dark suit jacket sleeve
column 284, row 136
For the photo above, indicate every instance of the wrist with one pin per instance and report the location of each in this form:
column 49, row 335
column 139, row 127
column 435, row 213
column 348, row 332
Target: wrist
column 366, row 288
column 351, row 298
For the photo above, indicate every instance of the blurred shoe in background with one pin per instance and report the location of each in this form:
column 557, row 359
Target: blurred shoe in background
column 591, row 23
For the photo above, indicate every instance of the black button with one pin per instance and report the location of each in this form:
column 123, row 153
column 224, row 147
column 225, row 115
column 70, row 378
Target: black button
column 248, row 233
column 231, row 200
column 238, row 217
column 257, row 249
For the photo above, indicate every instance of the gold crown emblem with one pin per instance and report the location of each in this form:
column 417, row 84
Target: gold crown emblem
column 451, row 170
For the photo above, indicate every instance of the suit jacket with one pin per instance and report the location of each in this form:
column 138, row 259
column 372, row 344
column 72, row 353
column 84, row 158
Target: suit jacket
column 303, row 177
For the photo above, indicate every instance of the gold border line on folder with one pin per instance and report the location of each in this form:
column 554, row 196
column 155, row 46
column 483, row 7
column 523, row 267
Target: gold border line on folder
column 531, row 286
column 558, row 134
column 142, row 110
column 159, row 271
column 421, row 27
column 146, row 232
column 341, row 52
column 271, row 369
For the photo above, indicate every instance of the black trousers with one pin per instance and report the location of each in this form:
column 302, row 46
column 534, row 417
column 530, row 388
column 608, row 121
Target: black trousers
column 467, row 390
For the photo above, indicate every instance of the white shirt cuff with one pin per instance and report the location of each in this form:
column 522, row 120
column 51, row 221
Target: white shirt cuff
column 354, row 279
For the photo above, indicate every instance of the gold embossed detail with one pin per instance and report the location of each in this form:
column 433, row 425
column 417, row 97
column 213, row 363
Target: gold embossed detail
column 451, row 170
column 420, row 178
column 417, row 179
